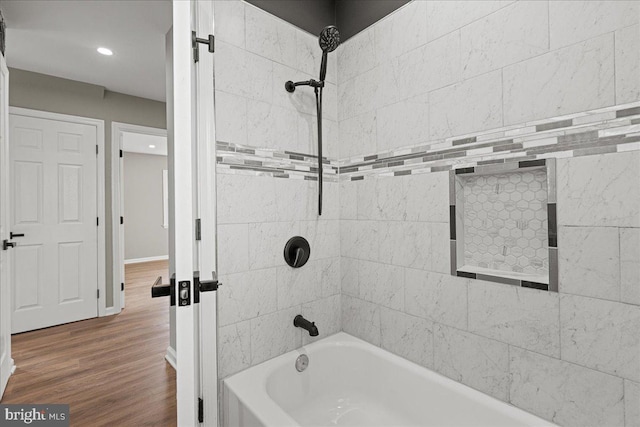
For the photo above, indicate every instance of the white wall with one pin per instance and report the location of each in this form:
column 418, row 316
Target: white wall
column 144, row 235
column 435, row 70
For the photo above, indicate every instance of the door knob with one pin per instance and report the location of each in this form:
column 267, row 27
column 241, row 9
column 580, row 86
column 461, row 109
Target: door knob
column 12, row 235
column 7, row 244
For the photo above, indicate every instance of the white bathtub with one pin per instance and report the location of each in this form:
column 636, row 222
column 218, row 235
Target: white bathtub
column 352, row 383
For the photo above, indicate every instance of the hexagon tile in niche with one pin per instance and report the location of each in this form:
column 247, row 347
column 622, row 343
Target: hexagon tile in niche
column 505, row 222
column 500, row 224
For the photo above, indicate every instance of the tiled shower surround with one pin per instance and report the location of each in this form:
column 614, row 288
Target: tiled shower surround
column 433, row 87
column 256, row 54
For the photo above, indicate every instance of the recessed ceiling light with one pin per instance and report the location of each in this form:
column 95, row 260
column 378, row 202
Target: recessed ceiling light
column 152, row 146
column 105, row 51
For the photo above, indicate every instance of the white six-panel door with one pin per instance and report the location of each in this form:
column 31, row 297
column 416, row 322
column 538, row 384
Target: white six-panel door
column 54, row 273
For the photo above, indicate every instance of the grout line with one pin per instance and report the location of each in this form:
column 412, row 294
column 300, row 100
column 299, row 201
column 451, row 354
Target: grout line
column 620, row 264
column 467, row 286
column 502, row 93
column 509, row 373
column 548, row 26
column 559, row 320
column 624, row 402
column 615, row 74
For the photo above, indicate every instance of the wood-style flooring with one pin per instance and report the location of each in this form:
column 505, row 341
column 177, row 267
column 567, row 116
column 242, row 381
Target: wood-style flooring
column 110, row 370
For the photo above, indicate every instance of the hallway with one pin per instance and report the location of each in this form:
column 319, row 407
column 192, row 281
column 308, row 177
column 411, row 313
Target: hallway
column 110, row 370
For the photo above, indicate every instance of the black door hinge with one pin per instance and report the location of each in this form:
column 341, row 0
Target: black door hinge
column 121, row 220
column 198, row 229
column 98, row 221
column 96, row 149
column 122, row 286
column 120, row 153
column 209, row 41
column 98, row 295
column 200, row 410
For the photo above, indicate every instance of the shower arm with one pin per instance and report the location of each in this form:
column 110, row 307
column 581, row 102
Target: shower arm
column 291, row 86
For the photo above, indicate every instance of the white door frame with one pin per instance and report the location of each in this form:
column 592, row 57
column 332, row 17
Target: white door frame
column 7, row 366
column 117, row 203
column 181, row 198
column 206, row 211
column 192, row 171
column 100, row 190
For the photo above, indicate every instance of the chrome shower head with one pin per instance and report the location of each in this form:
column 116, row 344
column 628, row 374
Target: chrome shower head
column 329, row 38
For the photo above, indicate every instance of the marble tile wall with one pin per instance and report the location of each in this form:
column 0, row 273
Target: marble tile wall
column 572, row 357
column 538, row 350
column 380, row 266
column 256, row 53
column 498, row 63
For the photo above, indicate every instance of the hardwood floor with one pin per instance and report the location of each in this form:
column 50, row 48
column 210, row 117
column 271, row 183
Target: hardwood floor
column 110, row 370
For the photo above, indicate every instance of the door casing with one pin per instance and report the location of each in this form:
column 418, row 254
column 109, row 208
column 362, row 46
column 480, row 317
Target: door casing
column 6, row 362
column 189, row 99
column 117, row 205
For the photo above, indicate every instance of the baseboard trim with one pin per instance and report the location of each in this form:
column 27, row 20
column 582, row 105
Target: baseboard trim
column 151, row 258
column 170, row 357
column 111, row 311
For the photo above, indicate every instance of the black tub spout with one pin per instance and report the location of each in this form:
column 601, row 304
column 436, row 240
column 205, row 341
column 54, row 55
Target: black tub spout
column 301, row 322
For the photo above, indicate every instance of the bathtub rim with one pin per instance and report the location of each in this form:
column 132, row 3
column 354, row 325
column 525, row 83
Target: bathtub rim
column 250, row 385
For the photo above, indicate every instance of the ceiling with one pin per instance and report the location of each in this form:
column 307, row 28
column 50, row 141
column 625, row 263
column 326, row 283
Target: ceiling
column 351, row 16
column 60, row 38
column 133, row 142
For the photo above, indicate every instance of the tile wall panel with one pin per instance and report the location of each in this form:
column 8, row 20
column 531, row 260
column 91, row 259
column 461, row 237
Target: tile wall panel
column 391, row 138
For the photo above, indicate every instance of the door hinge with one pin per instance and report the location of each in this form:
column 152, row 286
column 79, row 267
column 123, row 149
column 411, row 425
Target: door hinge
column 98, row 221
column 96, row 149
column 120, row 153
column 98, row 295
column 121, row 220
column 200, row 410
column 209, row 41
column 198, row 229
column 122, row 286
column 205, row 285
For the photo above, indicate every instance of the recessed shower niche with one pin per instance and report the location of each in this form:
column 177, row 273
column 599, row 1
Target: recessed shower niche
column 503, row 223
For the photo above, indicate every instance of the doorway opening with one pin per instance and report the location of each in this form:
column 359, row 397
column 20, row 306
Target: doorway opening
column 140, row 200
column 114, row 359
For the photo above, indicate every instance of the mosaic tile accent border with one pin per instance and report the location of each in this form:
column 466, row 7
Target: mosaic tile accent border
column 235, row 158
column 458, row 224
column 606, row 130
